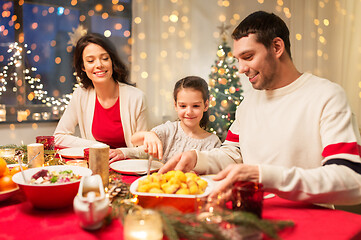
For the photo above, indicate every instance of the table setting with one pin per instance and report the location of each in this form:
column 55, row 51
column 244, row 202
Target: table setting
column 128, row 199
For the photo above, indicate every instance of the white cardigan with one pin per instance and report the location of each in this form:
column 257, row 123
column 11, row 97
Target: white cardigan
column 80, row 111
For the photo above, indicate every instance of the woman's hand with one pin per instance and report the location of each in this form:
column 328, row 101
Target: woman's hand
column 152, row 145
column 115, row 155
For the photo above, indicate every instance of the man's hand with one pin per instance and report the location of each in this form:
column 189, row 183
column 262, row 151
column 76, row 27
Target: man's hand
column 234, row 173
column 115, row 155
column 152, row 145
column 185, row 162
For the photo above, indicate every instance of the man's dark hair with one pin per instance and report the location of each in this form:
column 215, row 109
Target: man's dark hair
column 266, row 26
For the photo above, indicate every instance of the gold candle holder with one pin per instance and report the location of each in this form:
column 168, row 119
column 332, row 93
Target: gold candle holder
column 143, row 224
column 99, row 161
column 35, row 155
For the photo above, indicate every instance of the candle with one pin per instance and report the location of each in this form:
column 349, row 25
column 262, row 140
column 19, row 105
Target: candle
column 2, row 113
column 35, row 155
column 79, row 163
column 143, row 224
column 99, row 161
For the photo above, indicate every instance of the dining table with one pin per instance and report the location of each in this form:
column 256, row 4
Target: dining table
column 19, row 220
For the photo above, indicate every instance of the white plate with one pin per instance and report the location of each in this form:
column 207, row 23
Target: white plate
column 135, row 166
column 208, row 190
column 76, row 152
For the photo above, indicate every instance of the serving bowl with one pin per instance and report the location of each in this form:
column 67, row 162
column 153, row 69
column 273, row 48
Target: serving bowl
column 7, row 194
column 52, row 195
column 182, row 202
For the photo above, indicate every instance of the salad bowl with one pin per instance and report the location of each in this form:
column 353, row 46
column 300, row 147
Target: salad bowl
column 51, row 195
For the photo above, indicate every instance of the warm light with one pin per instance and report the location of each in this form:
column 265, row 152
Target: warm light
column 163, row 53
column 222, row 18
column 91, row 12
column 316, row 22
column 173, row 18
column 298, row 36
column 144, row 75
column 107, row 33
column 120, row 8
column 51, row 10
column 322, row 39
column 126, row 33
column 143, row 55
column 17, row 26
column 118, row 26
column 137, row 20
column 57, row 60
column 82, row 18
column 326, row 22
column 226, row 3
column 98, row 7
column 62, row 79
column 105, row 15
column 53, row 43
column 165, row 18
column 141, row 36
column 319, row 52
column 184, row 19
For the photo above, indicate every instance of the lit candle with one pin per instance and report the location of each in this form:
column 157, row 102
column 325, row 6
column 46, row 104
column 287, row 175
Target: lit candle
column 35, row 155
column 80, row 163
column 143, row 224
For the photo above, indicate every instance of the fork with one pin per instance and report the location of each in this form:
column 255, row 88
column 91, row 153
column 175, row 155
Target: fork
column 149, row 164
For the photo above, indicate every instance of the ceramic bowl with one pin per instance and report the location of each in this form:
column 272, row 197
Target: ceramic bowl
column 53, row 195
column 181, row 202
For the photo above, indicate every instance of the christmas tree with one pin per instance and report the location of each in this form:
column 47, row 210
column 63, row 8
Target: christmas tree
column 225, row 91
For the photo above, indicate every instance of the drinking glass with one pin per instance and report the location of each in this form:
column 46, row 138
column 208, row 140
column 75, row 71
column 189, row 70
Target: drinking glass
column 248, row 196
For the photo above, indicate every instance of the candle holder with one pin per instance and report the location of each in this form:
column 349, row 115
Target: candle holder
column 248, row 196
column 35, row 155
column 7, row 154
column 49, row 146
column 143, row 224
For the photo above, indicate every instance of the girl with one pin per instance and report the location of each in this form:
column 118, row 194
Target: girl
column 191, row 103
column 106, row 107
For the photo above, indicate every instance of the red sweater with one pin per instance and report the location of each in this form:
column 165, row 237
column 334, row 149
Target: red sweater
column 107, row 125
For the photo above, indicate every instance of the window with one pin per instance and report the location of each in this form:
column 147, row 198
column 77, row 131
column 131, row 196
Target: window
column 36, row 73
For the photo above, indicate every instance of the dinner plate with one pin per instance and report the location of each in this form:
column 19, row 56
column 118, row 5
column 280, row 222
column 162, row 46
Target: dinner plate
column 75, row 152
column 135, row 166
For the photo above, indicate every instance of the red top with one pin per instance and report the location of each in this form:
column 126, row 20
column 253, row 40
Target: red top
column 107, row 125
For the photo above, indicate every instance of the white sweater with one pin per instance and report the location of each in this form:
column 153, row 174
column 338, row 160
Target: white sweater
column 80, row 111
column 291, row 133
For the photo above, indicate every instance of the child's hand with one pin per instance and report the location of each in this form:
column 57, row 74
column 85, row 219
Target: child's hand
column 152, row 145
column 115, row 155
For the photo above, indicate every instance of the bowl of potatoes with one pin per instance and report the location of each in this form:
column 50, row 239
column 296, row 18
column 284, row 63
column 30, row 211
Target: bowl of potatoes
column 172, row 189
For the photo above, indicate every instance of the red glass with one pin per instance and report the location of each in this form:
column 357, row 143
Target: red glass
column 248, row 196
column 86, row 154
column 47, row 141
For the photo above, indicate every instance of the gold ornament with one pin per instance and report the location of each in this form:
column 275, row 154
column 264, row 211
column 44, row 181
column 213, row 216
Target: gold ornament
column 221, row 71
column 212, row 118
column 214, row 69
column 212, row 82
column 220, row 53
column 213, row 103
column 232, row 89
column 224, row 103
column 222, row 81
column 230, row 54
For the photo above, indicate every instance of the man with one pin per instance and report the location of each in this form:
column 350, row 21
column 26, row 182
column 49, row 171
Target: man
column 295, row 133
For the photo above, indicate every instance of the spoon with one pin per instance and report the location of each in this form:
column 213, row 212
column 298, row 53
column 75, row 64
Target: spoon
column 19, row 155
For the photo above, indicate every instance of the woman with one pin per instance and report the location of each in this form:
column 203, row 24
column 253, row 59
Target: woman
column 106, row 107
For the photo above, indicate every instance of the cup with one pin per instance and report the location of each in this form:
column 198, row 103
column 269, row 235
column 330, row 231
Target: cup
column 35, row 155
column 2, row 112
column 143, row 224
column 99, row 161
column 248, row 196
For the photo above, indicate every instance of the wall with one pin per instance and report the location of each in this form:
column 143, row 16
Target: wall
column 24, row 133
